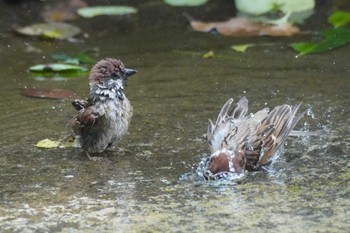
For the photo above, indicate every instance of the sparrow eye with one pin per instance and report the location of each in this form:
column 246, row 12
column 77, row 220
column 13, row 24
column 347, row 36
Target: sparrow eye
column 116, row 75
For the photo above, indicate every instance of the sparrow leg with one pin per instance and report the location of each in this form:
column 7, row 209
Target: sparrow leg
column 93, row 158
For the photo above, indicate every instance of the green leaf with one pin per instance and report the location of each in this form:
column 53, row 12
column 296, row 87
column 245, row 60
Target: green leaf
column 241, row 47
column 89, row 12
column 56, row 67
column 60, row 31
column 209, row 54
column 185, row 2
column 265, row 6
column 339, row 18
column 300, row 47
column 333, row 38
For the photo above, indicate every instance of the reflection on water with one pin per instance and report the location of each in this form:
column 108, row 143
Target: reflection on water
column 153, row 182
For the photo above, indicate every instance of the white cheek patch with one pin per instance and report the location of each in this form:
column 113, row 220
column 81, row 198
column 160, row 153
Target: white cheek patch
column 230, row 165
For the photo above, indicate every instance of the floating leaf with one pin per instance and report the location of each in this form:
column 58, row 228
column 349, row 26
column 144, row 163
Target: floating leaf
column 60, row 31
column 240, row 26
column 89, row 12
column 241, row 47
column 258, row 7
column 209, row 54
column 56, row 67
column 339, row 18
column 186, row 2
column 333, row 38
column 74, row 60
column 302, row 48
column 49, row 144
column 48, row 93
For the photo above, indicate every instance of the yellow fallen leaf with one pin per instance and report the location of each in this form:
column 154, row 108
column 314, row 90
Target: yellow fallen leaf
column 241, row 47
column 62, row 31
column 47, row 143
column 209, row 54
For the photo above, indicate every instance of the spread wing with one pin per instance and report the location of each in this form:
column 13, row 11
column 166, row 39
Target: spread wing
column 220, row 134
column 270, row 134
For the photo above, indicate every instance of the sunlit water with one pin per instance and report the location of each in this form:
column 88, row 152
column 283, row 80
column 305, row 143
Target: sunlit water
column 153, row 183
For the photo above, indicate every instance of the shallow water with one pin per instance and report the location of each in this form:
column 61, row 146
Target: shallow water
column 152, row 184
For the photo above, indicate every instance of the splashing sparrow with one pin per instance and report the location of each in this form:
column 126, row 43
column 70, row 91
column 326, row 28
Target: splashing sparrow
column 240, row 142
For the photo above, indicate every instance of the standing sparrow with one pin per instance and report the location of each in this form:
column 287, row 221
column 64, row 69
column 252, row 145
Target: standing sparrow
column 239, row 142
column 103, row 118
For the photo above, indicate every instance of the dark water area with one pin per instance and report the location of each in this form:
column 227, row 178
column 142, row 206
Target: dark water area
column 153, row 183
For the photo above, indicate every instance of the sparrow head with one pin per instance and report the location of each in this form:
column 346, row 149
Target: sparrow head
column 110, row 73
column 225, row 161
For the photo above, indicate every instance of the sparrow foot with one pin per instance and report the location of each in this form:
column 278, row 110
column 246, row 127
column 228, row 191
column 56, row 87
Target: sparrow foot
column 95, row 158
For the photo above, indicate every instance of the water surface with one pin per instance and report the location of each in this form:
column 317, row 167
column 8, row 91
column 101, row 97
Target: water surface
column 151, row 184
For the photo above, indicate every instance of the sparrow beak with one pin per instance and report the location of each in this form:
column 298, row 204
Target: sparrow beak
column 129, row 72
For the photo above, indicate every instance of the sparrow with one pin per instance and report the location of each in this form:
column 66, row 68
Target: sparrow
column 103, row 118
column 239, row 142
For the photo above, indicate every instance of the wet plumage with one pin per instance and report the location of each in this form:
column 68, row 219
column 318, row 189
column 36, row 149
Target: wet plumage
column 103, row 118
column 240, row 142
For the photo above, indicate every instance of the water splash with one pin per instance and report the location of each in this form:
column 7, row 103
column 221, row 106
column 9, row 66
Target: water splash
column 197, row 174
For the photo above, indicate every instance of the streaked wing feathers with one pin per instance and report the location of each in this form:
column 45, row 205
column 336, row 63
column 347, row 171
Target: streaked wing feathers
column 224, row 127
column 86, row 118
column 260, row 135
column 282, row 119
